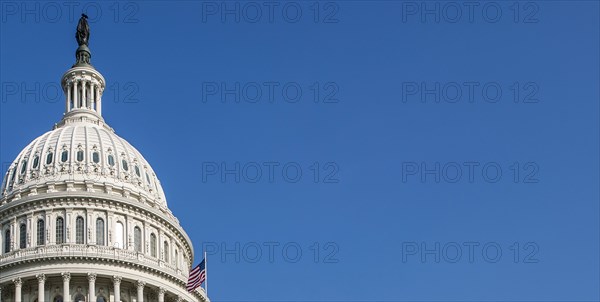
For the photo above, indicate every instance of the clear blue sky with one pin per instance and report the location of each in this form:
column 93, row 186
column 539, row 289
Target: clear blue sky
column 371, row 209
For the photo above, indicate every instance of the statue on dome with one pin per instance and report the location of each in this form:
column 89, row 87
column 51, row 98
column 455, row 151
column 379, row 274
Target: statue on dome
column 83, row 31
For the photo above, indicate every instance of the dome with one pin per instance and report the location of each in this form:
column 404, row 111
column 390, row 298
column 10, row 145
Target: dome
column 82, row 156
column 83, row 216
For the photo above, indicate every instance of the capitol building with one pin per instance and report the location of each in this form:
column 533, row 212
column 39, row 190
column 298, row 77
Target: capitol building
column 83, row 216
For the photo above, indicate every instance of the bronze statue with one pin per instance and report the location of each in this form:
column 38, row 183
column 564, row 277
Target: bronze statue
column 83, row 31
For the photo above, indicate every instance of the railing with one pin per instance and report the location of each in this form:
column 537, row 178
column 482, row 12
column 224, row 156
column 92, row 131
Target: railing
column 91, row 251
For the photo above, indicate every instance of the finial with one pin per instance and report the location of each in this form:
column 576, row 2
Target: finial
column 83, row 54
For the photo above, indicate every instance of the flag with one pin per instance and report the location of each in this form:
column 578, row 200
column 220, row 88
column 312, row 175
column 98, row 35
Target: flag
column 197, row 276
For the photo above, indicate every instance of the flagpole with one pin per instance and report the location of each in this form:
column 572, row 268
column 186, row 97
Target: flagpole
column 205, row 274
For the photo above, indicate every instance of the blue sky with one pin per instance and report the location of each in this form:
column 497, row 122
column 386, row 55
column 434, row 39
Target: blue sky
column 420, row 130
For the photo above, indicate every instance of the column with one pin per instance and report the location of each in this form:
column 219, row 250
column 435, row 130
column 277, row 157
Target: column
column 75, row 96
column 161, row 294
column 66, row 291
column 41, row 280
column 117, row 287
column 140, row 291
column 68, row 96
column 83, row 98
column 95, row 95
column 92, row 286
column 99, row 102
column 18, row 285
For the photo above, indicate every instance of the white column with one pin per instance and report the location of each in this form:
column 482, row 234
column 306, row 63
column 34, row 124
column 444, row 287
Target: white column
column 68, row 96
column 99, row 102
column 18, row 285
column 66, row 291
column 92, row 286
column 83, row 98
column 117, row 287
column 140, row 291
column 75, row 97
column 41, row 292
column 161, row 294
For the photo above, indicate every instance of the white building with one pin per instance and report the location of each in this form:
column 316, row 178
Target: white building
column 83, row 216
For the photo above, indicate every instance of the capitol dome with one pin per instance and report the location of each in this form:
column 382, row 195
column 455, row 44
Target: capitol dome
column 83, row 216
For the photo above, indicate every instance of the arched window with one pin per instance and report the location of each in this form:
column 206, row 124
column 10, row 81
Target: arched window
column 111, row 160
column 49, row 158
column 58, row 298
column 41, row 230
column 166, row 251
column 80, row 155
column 60, row 230
column 79, row 230
column 7, row 241
column 153, row 245
column 36, row 161
column 137, row 239
column 125, row 165
column 119, row 235
column 137, row 171
column 100, row 231
column 96, row 157
column 22, row 236
column 24, row 166
column 100, row 299
column 64, row 156
column 79, row 298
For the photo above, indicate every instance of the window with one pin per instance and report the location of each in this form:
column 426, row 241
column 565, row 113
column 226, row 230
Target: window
column 22, row 236
column 153, row 245
column 96, row 157
column 80, row 155
column 147, row 178
column 119, row 235
column 60, row 230
column 166, row 251
column 137, row 239
column 36, row 162
column 41, row 229
column 64, row 156
column 79, row 230
column 100, row 299
column 49, row 158
column 111, row 160
column 58, row 298
column 125, row 165
column 7, row 241
column 79, row 298
column 176, row 260
column 99, row 231
column 24, row 167
column 137, row 171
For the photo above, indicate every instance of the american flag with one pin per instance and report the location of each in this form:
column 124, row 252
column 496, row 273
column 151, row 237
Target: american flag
column 197, row 276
